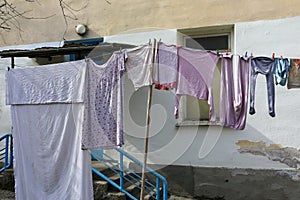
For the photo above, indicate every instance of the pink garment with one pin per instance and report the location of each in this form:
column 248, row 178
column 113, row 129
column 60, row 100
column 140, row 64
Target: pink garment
column 166, row 66
column 241, row 103
column 195, row 76
column 233, row 111
column 227, row 113
column 103, row 114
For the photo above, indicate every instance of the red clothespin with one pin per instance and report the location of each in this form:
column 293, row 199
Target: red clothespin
column 273, row 56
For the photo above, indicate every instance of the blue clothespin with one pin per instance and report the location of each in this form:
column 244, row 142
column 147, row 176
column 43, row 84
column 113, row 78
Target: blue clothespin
column 246, row 54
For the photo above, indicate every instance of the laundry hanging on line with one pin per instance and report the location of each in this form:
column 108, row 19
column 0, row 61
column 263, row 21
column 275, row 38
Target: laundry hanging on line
column 294, row 74
column 233, row 107
column 191, row 72
column 264, row 66
column 165, row 67
column 195, row 76
column 103, row 103
column 47, row 106
column 281, row 69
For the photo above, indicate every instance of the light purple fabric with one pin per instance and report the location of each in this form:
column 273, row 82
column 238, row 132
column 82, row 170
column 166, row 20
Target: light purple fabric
column 241, row 103
column 227, row 114
column 233, row 108
column 165, row 76
column 102, row 123
column 195, row 76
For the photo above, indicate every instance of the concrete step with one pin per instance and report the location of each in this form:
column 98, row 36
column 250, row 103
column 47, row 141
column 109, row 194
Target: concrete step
column 100, row 189
column 7, row 180
column 7, row 195
column 115, row 196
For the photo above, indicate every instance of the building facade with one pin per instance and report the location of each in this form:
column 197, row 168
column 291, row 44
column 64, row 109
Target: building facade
column 260, row 162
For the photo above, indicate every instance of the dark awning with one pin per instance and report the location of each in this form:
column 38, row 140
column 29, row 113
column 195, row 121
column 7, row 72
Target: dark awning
column 68, row 49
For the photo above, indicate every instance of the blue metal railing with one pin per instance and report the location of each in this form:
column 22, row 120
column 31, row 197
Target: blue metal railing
column 6, row 154
column 153, row 185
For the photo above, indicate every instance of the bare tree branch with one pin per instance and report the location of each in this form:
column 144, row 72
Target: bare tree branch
column 9, row 15
column 68, row 12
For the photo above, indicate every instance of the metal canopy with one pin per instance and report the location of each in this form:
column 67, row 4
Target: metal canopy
column 78, row 49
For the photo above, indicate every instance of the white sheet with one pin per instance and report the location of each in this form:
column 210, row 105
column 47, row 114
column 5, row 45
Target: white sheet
column 55, row 83
column 48, row 160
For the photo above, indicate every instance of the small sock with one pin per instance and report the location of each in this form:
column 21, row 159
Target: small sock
column 272, row 114
column 251, row 111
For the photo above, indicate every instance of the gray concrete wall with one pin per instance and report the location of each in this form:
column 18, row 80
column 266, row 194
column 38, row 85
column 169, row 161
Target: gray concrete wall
column 232, row 183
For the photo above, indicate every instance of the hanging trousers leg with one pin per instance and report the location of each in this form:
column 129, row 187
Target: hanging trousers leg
column 271, row 93
column 253, row 77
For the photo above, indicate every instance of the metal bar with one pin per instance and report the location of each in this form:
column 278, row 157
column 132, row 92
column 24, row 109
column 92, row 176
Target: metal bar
column 12, row 62
column 154, row 173
column 6, row 151
column 157, row 188
column 7, row 162
column 113, row 183
column 121, row 171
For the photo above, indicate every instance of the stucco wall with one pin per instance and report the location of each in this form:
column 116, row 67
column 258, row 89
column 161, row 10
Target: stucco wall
column 112, row 17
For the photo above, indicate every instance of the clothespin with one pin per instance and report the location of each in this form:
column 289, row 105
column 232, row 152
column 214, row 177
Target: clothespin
column 246, row 54
column 251, row 54
column 218, row 53
column 273, row 56
column 159, row 40
column 8, row 68
column 281, row 57
column 149, row 41
column 226, row 51
column 120, row 49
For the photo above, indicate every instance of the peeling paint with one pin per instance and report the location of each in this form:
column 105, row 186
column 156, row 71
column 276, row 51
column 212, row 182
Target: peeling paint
column 275, row 152
column 294, row 175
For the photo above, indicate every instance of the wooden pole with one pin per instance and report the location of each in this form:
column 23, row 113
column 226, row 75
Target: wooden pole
column 148, row 124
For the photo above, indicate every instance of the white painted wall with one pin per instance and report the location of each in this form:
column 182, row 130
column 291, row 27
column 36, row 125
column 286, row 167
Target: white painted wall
column 5, row 117
column 282, row 38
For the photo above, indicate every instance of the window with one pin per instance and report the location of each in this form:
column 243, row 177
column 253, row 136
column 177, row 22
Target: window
column 193, row 111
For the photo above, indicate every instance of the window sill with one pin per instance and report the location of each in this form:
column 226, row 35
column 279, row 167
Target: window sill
column 196, row 123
